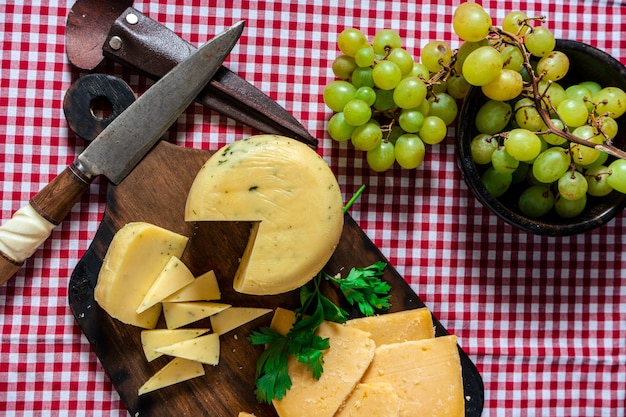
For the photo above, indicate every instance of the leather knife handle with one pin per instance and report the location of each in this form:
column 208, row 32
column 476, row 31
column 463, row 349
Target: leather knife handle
column 137, row 41
column 32, row 224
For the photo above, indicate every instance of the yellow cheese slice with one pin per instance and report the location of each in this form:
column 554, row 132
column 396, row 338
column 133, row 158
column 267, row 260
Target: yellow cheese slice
column 136, row 256
column 177, row 370
column 351, row 351
column 290, row 191
column 204, row 287
column 183, row 313
column 156, row 338
column 397, row 327
column 425, row 373
column 174, row 276
column 233, row 317
column 375, row 400
column 204, row 349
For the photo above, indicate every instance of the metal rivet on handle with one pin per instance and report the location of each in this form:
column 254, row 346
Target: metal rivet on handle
column 132, row 19
column 115, row 42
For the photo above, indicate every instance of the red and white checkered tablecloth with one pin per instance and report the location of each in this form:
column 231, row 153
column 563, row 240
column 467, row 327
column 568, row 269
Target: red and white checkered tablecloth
column 543, row 318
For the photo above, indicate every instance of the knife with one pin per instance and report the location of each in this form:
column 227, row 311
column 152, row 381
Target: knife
column 111, row 153
column 113, row 29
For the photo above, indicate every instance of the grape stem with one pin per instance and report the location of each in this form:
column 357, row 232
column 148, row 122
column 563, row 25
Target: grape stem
column 543, row 103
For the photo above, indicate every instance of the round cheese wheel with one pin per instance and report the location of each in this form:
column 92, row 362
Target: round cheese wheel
column 290, row 193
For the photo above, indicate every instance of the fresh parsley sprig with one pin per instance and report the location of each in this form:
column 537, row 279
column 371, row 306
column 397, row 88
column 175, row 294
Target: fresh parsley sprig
column 362, row 286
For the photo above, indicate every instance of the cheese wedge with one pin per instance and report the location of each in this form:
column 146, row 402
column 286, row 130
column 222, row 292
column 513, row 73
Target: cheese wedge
column 204, row 349
column 292, row 194
column 351, row 351
column 174, row 276
column 136, row 256
column 375, row 400
column 180, row 314
column 426, row 375
column 177, row 370
column 397, row 327
column 233, row 317
column 157, row 338
column 204, row 287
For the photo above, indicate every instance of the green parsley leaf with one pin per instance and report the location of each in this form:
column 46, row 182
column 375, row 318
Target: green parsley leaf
column 365, row 288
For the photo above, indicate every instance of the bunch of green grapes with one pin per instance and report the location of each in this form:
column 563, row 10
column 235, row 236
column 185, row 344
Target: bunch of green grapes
column 518, row 70
column 386, row 102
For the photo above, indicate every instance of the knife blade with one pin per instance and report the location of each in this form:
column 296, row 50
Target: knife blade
column 115, row 30
column 115, row 152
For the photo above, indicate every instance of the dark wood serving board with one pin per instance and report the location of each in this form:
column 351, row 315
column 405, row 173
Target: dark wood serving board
column 155, row 192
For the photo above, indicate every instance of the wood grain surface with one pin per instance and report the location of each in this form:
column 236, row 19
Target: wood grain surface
column 155, row 192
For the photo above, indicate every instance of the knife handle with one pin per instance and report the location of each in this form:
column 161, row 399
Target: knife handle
column 32, row 224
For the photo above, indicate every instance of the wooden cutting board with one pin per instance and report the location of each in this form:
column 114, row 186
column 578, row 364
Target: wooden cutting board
column 155, row 192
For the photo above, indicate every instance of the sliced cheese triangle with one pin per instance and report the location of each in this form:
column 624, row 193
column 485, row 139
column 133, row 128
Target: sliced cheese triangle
column 234, row 317
column 205, row 287
column 177, row 370
column 181, row 314
column 136, row 256
column 376, row 400
column 400, row 326
column 204, row 349
column 157, row 338
column 289, row 190
column 174, row 276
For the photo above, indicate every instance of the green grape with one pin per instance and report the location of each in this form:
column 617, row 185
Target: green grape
column 367, row 94
column 617, row 175
column 337, row 93
column 503, row 162
column 343, row 66
column 553, row 138
column 585, row 155
column 597, row 184
column 521, row 173
column 410, row 92
column 386, row 75
column 609, row 126
column 493, row 117
column 482, row 65
column 536, row 201
column 443, row 106
column 384, row 100
column 553, row 91
column 601, row 160
column 496, row 183
column 540, row 41
column 386, row 39
column 527, row 116
column 580, row 92
column 553, row 66
column 592, row 86
column 395, row 132
column 551, row 164
column 433, row 130
column 411, row 120
column 410, row 151
column 506, row 86
column 471, row 22
column 572, row 185
column 515, row 23
column 522, row 144
column 611, row 100
column 435, row 54
column 365, row 57
column 362, row 77
column 357, row 112
column 439, row 87
column 458, row 87
column 512, row 58
column 351, row 40
column 573, row 112
column 464, row 50
column 367, row 137
column 420, row 71
column 381, row 158
column 402, row 59
column 569, row 208
column 339, row 129
column 482, row 147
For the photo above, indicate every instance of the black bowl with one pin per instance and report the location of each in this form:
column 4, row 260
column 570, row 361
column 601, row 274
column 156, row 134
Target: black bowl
column 586, row 64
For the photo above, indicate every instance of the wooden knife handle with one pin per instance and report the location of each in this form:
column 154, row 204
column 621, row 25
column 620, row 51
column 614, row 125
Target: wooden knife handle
column 32, row 224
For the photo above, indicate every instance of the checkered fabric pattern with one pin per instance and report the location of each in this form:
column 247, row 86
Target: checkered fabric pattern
column 543, row 318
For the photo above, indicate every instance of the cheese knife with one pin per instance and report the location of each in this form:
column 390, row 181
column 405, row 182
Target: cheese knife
column 115, row 152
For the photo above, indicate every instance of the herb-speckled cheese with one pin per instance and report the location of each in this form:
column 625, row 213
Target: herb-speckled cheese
column 290, row 191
